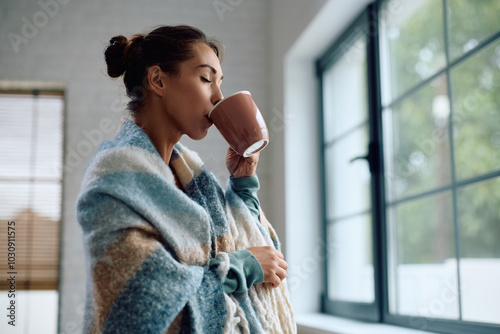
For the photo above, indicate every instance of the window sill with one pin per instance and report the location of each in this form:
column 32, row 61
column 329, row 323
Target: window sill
column 318, row 323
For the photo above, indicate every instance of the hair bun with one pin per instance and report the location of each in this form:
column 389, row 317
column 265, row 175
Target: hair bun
column 115, row 56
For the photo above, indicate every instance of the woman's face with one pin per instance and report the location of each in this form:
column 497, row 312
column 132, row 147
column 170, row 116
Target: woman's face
column 191, row 94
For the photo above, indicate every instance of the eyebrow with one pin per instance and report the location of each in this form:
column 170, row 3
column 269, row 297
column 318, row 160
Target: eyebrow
column 214, row 71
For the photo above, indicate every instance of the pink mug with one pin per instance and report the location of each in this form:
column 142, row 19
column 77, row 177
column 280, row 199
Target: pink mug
column 241, row 124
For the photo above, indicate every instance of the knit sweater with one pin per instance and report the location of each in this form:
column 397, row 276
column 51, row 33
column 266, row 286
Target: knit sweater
column 158, row 257
column 244, row 268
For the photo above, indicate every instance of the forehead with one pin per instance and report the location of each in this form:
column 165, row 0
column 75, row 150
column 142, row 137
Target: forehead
column 205, row 55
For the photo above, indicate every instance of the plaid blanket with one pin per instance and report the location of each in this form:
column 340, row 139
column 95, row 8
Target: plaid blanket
column 149, row 245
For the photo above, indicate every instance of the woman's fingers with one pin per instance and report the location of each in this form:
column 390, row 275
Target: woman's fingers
column 282, row 264
column 279, row 276
column 275, row 281
column 239, row 166
column 272, row 262
column 281, row 273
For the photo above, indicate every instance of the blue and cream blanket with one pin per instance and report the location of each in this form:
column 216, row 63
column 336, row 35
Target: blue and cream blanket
column 149, row 245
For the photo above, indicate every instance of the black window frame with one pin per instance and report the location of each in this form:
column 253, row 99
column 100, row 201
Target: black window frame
column 378, row 311
column 355, row 310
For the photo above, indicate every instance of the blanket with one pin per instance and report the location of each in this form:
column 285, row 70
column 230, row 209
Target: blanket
column 149, row 245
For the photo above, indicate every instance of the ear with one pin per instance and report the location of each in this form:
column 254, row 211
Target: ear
column 155, row 77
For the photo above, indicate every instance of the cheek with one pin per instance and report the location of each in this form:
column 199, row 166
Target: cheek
column 199, row 97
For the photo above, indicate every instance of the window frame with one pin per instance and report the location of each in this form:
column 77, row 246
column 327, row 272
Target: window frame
column 355, row 310
column 378, row 310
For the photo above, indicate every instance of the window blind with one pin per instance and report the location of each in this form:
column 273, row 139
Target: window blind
column 31, row 146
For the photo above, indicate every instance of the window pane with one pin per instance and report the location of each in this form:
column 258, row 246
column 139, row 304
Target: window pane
column 37, row 312
column 14, row 198
column 470, row 22
column 416, row 142
column 16, row 139
column 479, row 221
column 348, row 184
column 350, row 265
column 35, row 208
column 422, row 264
column 47, row 199
column 412, row 43
column 344, row 93
column 16, row 111
column 476, row 118
column 48, row 140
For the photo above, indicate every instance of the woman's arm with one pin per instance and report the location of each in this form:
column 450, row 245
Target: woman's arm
column 246, row 188
column 244, row 271
column 245, row 184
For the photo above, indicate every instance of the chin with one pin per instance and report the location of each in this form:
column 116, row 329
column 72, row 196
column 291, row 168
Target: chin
column 199, row 135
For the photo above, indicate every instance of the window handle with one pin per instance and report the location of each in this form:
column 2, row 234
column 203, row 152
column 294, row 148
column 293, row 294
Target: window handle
column 370, row 157
column 365, row 157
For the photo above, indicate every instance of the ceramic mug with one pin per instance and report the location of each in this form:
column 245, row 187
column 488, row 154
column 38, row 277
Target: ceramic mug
column 240, row 122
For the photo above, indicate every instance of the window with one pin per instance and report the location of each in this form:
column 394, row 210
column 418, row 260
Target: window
column 30, row 195
column 347, row 193
column 412, row 88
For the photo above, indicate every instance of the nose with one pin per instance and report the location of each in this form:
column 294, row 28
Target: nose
column 217, row 96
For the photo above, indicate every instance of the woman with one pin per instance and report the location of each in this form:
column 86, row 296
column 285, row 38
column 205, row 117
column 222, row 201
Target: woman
column 167, row 249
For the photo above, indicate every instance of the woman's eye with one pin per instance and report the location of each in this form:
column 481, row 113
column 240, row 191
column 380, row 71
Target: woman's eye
column 206, row 80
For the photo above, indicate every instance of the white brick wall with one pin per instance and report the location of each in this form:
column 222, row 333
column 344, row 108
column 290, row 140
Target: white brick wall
column 67, row 47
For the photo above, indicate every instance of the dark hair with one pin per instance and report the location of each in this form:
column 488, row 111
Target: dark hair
column 166, row 46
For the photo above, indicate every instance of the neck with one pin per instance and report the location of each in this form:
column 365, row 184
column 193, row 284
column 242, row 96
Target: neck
column 159, row 130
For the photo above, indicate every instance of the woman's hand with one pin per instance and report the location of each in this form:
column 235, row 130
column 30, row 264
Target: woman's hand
column 238, row 166
column 272, row 263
